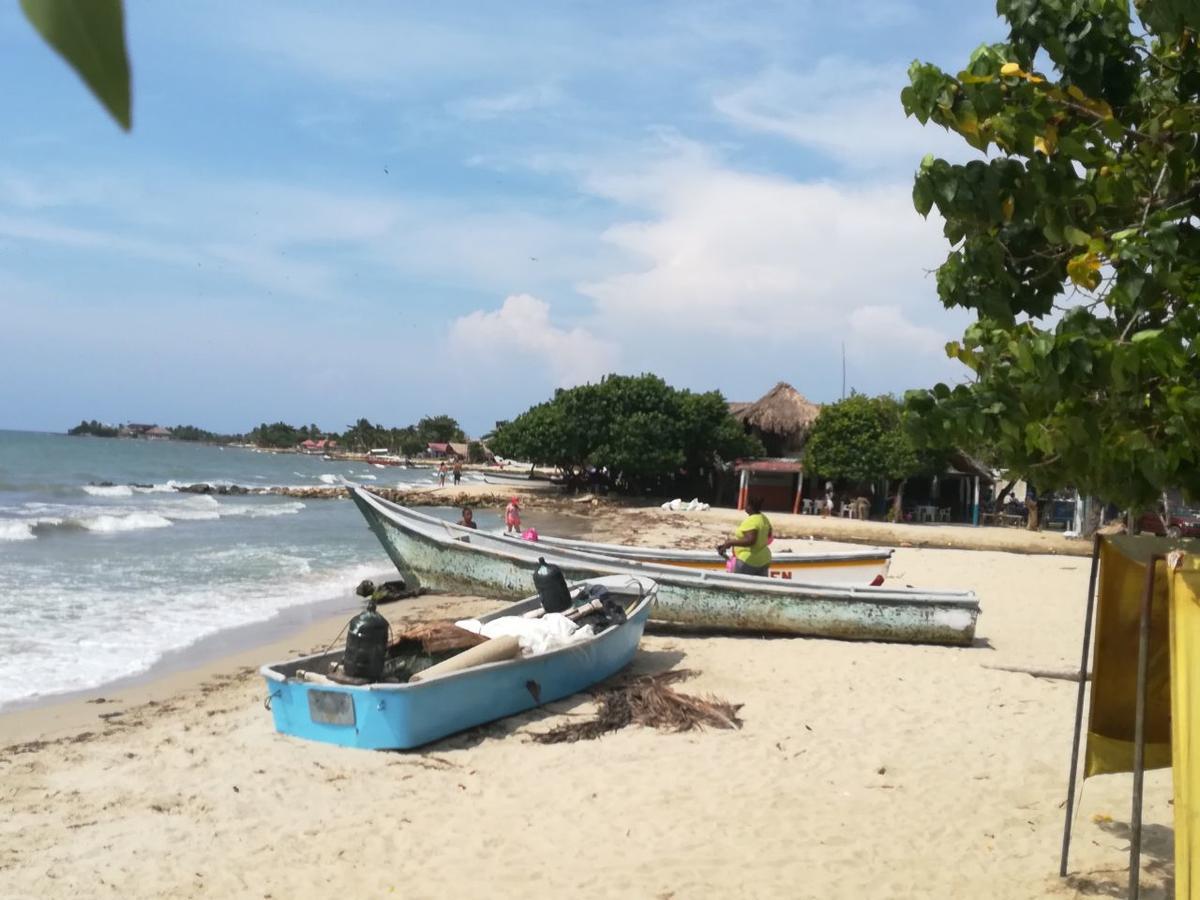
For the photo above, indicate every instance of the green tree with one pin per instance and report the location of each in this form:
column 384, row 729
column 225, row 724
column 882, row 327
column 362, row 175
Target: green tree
column 864, row 439
column 439, row 430
column 279, row 435
column 1075, row 243
column 94, row 428
column 644, row 431
column 476, row 453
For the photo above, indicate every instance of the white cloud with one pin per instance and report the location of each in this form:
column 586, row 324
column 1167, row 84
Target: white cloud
column 520, row 334
column 845, row 109
column 726, row 259
column 540, row 96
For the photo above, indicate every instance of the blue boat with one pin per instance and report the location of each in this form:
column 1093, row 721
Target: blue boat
column 389, row 716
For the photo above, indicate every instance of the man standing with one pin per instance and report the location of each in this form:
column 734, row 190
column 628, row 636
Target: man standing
column 752, row 556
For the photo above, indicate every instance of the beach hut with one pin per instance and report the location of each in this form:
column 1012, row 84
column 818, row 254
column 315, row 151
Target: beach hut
column 779, row 482
column 781, row 419
column 1145, row 595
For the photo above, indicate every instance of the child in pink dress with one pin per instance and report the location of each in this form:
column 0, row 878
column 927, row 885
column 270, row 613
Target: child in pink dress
column 512, row 516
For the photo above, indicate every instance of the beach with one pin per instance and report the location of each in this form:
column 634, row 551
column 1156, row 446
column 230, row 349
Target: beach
column 861, row 770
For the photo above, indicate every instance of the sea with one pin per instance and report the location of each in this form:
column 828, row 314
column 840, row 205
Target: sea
column 106, row 570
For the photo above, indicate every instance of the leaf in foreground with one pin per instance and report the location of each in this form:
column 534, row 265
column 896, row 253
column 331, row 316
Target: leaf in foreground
column 90, row 36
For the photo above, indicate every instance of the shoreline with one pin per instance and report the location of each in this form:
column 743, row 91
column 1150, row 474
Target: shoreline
column 180, row 673
column 208, row 649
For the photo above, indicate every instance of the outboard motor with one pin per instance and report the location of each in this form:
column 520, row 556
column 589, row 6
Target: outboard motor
column 551, row 586
column 366, row 645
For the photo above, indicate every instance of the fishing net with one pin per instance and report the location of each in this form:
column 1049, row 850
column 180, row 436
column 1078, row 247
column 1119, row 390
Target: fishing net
column 649, row 701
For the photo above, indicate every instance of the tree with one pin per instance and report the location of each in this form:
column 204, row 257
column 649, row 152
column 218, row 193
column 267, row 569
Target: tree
column 643, row 430
column 439, row 430
column 280, row 435
column 863, row 439
column 94, row 428
column 1075, row 243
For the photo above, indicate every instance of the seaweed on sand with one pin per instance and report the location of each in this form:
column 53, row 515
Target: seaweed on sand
column 650, row 701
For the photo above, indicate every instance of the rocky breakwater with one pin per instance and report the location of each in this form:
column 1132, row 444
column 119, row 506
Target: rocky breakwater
column 477, row 496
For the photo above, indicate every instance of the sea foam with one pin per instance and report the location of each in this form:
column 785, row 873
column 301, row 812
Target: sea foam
column 108, row 490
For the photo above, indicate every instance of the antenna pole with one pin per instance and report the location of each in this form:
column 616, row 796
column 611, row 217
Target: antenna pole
column 843, row 370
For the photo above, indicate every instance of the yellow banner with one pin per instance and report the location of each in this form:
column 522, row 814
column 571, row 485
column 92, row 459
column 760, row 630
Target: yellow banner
column 1184, row 589
column 1123, row 562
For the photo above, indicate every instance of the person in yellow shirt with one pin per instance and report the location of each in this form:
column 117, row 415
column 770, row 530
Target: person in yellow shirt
column 752, row 556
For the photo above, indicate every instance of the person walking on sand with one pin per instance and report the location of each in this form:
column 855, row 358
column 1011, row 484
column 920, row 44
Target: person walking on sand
column 512, row 516
column 457, row 472
column 827, row 506
column 441, row 474
column 751, row 554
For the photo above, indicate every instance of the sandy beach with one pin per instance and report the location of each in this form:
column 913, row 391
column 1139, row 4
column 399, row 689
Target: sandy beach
column 862, row 770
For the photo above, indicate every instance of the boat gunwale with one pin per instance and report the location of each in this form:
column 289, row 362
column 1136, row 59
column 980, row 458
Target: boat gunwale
column 410, row 520
column 621, row 551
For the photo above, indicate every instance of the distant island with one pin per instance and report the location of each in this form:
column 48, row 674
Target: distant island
column 151, row 432
column 432, row 435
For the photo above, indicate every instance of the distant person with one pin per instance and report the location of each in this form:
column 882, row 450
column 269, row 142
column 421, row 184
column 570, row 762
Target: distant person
column 827, row 505
column 751, row 554
column 468, row 518
column 441, row 470
column 512, row 516
column 457, row 471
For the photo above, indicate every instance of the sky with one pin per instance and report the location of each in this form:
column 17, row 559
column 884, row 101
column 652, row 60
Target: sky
column 325, row 212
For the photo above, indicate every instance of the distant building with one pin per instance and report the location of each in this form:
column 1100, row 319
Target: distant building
column 141, row 429
column 781, row 418
column 324, row 445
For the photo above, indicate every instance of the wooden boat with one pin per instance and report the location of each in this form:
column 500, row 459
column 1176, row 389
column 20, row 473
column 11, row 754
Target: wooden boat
column 434, row 553
column 867, row 566
column 389, row 716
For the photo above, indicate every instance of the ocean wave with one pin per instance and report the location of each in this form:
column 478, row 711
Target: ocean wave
column 329, row 478
column 127, row 632
column 16, row 530
column 108, row 490
column 105, row 524
column 169, row 488
column 259, row 512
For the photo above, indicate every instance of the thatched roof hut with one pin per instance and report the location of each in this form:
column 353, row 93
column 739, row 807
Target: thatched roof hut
column 781, row 418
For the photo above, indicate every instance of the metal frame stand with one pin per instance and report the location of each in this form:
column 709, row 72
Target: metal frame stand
column 1083, row 664
column 1139, row 721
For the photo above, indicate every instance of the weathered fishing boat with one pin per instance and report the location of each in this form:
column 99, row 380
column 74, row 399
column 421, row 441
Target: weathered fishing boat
column 391, row 716
column 434, row 553
column 866, row 566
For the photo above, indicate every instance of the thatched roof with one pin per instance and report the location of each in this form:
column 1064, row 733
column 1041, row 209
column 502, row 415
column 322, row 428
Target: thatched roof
column 782, row 410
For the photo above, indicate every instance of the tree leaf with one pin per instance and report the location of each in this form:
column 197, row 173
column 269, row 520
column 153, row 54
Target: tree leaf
column 90, row 36
column 1148, row 335
column 1076, row 236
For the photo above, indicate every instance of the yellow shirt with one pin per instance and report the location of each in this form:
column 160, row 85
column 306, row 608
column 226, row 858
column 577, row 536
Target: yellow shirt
column 759, row 554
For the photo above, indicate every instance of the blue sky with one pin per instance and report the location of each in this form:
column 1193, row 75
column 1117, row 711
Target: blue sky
column 391, row 210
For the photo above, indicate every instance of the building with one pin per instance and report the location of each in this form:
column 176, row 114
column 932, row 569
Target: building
column 782, row 419
column 779, row 482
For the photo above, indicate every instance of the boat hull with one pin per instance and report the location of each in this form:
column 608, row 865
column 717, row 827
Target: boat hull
column 441, row 556
column 403, row 716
